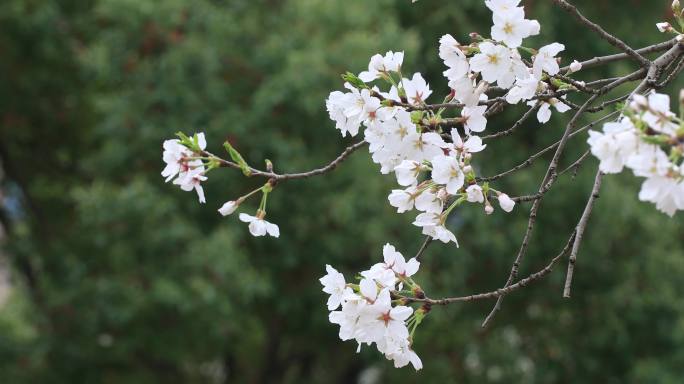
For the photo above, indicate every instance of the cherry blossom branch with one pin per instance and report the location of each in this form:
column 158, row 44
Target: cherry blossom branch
column 548, row 179
column 423, row 247
column 530, row 160
column 290, row 176
column 612, row 40
column 435, row 168
column 499, row 292
column 515, row 126
column 601, row 60
column 655, row 70
column 579, row 231
column 576, row 164
column 675, row 72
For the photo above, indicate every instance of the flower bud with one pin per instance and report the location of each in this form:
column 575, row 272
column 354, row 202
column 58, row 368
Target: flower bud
column 488, row 208
column 228, row 208
column 475, row 36
column 575, row 66
column 506, row 202
column 353, row 80
column 676, row 7
column 664, row 27
column 467, row 169
column 679, row 38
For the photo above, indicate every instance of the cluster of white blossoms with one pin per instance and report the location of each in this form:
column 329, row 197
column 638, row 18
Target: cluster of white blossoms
column 369, row 312
column 649, row 140
column 185, row 165
column 408, row 137
column 430, row 149
column 188, row 162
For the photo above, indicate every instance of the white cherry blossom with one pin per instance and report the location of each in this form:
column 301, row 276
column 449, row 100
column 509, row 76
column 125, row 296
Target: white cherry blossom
column 545, row 59
column 473, row 144
column 260, row 227
column 524, row 89
column 511, row 27
column 493, row 62
column 403, row 199
column 336, row 105
column 474, row 194
column 446, row 170
column 614, row 145
column 428, row 201
column 544, row 111
column 379, row 65
column 334, row 285
column 502, row 7
column 174, row 156
column 192, row 179
column 454, row 58
column 417, row 90
column 407, row 172
column 475, row 119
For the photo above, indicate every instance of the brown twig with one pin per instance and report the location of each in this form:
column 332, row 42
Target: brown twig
column 290, row 176
column 530, row 160
column 612, row 40
column 579, row 231
column 600, row 60
column 515, row 126
column 548, row 179
column 499, row 292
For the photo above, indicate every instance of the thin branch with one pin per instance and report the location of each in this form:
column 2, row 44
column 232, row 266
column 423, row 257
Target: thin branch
column 517, row 124
column 654, row 72
column 636, row 75
column 600, row 60
column 579, row 231
column 428, row 240
column 577, row 84
column 575, row 165
column 529, row 161
column 499, row 292
column 675, row 72
column 549, row 178
column 290, row 176
column 599, row 107
column 612, row 40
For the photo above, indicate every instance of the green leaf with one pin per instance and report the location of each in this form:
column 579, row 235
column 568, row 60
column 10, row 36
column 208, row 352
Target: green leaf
column 237, row 158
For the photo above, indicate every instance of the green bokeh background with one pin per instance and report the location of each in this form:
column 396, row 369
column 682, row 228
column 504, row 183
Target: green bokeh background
column 118, row 277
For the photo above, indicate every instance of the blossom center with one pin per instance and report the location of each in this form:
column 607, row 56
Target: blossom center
column 385, row 317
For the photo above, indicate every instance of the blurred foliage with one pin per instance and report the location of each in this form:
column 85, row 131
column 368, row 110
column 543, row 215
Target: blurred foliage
column 119, row 277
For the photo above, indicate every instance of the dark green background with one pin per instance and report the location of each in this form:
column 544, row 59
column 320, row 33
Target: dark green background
column 120, row 278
